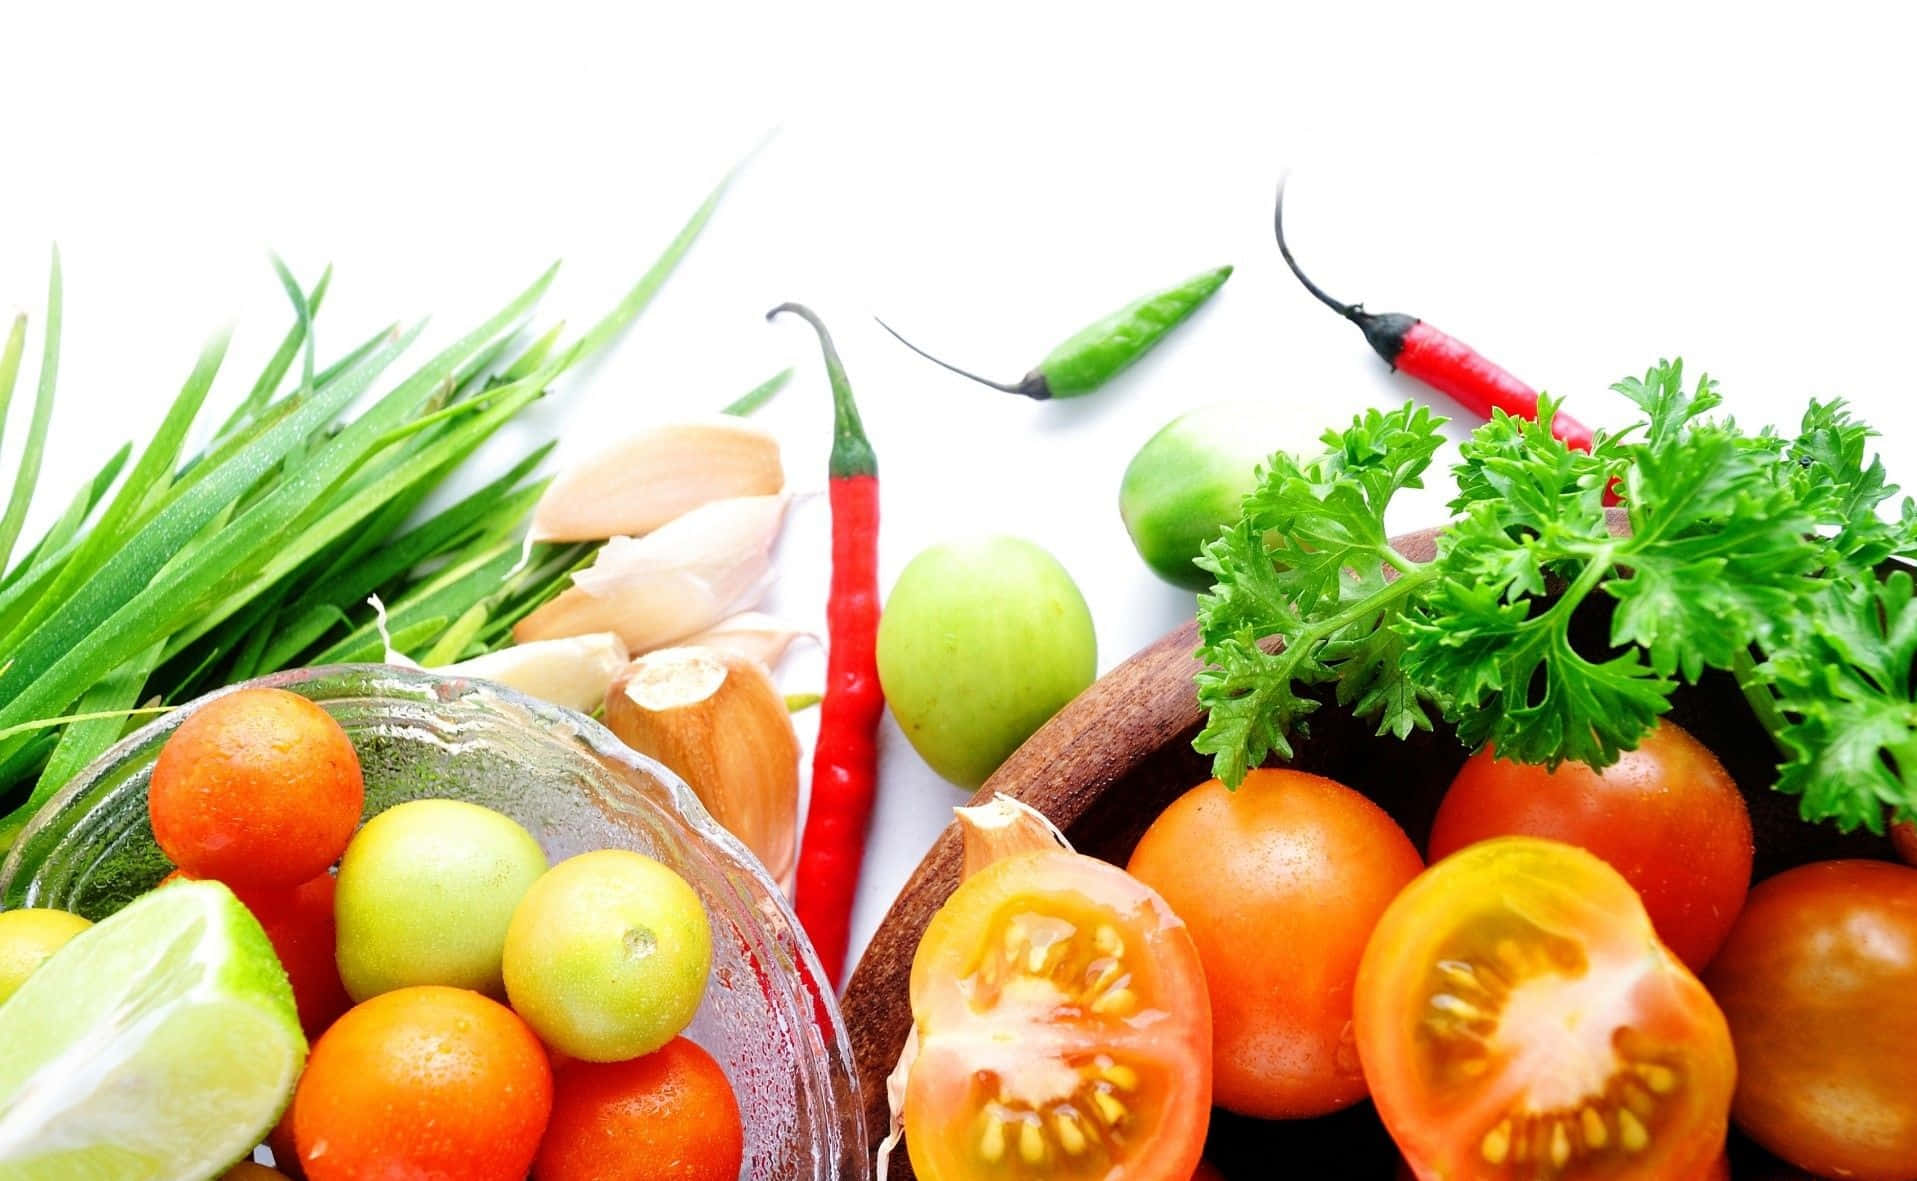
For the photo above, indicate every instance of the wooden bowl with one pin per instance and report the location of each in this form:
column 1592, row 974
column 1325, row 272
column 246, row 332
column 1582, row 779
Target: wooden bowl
column 1109, row 762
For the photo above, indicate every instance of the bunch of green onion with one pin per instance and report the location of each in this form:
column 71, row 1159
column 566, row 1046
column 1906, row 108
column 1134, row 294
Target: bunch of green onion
column 185, row 572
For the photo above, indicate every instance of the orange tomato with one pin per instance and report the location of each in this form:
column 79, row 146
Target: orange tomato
column 1063, row 1029
column 1666, row 815
column 299, row 924
column 1819, row 981
column 423, row 1082
column 669, row 1116
column 1280, row 883
column 1518, row 1018
column 258, row 788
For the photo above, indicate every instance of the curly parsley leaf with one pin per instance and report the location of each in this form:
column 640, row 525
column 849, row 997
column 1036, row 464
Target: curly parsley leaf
column 1847, row 683
column 1739, row 545
column 1301, row 593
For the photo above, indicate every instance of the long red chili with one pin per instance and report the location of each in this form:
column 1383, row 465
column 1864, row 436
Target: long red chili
column 845, row 761
column 1439, row 360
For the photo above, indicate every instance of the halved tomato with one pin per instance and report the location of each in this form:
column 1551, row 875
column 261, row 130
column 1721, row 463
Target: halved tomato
column 1063, row 1029
column 1517, row 1018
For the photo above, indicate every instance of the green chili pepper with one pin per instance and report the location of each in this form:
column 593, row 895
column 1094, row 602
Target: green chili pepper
column 1101, row 350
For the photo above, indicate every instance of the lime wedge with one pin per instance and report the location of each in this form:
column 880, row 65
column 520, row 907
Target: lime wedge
column 160, row 1044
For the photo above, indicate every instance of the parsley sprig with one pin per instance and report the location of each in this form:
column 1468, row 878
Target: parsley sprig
column 1749, row 552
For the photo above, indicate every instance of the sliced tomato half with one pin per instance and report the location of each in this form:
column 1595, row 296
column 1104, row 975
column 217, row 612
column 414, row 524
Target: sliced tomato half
column 1517, row 1018
column 1063, row 1028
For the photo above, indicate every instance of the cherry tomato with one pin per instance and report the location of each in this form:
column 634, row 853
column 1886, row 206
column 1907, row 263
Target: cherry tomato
column 1904, row 838
column 1280, row 882
column 424, row 1082
column 1819, row 981
column 1063, row 1029
column 1667, row 816
column 1518, row 1018
column 1205, row 1172
column 1720, row 1169
column 669, row 1116
column 299, row 924
column 259, row 787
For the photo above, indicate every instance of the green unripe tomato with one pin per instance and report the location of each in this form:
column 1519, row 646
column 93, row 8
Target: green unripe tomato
column 981, row 642
column 426, row 890
column 1186, row 482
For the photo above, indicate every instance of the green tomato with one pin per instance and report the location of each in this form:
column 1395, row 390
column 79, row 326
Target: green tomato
column 1187, row 481
column 426, row 891
column 607, row 956
column 28, row 938
column 981, row 642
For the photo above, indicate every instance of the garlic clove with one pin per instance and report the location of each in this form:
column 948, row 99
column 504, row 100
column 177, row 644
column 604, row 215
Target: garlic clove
column 1003, row 827
column 763, row 637
column 573, row 671
column 716, row 719
column 675, row 582
column 641, row 482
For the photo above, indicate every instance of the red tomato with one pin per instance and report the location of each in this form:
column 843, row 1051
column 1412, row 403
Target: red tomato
column 669, row 1116
column 1721, row 1169
column 259, row 787
column 1819, row 981
column 1904, row 838
column 1205, row 1172
column 1062, row 1027
column 1667, row 816
column 1280, row 882
column 299, row 924
column 1518, row 1018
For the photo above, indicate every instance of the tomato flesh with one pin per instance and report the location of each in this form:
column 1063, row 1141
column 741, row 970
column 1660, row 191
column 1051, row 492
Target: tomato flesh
column 1063, row 1029
column 1517, row 1018
column 1666, row 815
column 1819, row 981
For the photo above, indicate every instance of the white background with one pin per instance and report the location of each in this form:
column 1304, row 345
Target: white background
column 1576, row 194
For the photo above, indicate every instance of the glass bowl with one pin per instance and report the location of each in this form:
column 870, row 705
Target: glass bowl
column 767, row 1015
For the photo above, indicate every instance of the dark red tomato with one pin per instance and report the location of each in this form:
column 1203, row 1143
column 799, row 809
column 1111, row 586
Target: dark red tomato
column 1280, row 882
column 1819, row 983
column 1904, row 837
column 1519, row 1021
column 1206, row 1172
column 299, row 923
column 1667, row 816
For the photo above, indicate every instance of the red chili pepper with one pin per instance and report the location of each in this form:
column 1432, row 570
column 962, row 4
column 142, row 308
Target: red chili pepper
column 845, row 761
column 1439, row 360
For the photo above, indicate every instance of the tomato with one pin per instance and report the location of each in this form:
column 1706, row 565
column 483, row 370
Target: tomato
column 1666, row 815
column 1205, row 1172
column 1819, row 981
column 1063, row 1029
column 426, row 890
column 607, row 955
column 669, row 1116
column 1518, row 1018
column 248, row 1171
column 299, row 924
column 259, row 787
column 423, row 1082
column 1280, row 883
column 28, row 938
column 1720, row 1169
column 1904, row 838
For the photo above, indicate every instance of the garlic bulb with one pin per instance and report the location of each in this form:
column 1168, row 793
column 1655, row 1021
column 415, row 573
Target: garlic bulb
column 717, row 720
column 675, row 582
column 641, row 482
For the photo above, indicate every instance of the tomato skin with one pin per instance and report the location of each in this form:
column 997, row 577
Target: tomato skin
column 669, row 1116
column 1055, row 989
column 1666, row 815
column 1903, row 837
column 423, row 1082
column 1280, row 883
column 1515, row 987
column 1819, row 982
column 259, row 787
column 299, row 924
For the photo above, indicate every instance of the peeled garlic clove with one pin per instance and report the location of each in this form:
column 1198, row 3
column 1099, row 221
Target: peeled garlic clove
column 763, row 637
column 675, row 582
column 661, row 473
column 573, row 672
column 717, row 720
